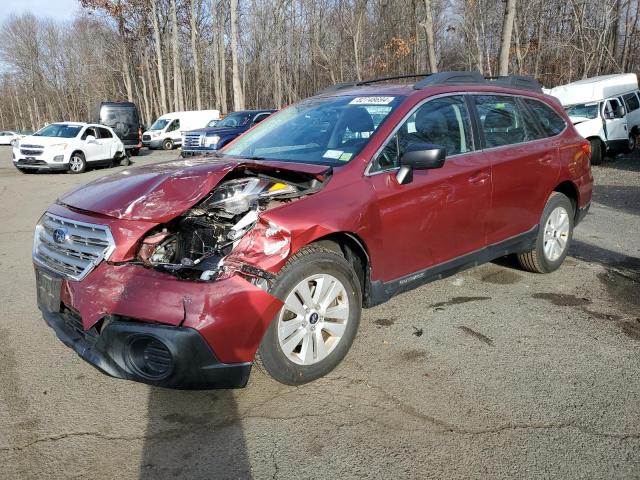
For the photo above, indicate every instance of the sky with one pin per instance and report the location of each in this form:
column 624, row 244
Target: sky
column 57, row 9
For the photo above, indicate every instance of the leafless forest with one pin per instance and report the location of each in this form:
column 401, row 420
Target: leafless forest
column 171, row 55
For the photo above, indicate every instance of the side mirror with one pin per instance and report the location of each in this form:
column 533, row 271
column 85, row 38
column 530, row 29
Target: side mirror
column 420, row 156
column 90, row 138
column 620, row 112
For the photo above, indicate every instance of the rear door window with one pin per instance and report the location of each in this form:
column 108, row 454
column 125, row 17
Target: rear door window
column 631, row 99
column 104, row 133
column 551, row 123
column 501, row 121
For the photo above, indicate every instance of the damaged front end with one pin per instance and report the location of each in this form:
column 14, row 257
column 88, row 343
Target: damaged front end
column 200, row 244
column 170, row 285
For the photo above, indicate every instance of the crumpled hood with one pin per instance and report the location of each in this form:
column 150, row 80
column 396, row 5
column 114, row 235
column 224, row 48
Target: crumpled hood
column 163, row 191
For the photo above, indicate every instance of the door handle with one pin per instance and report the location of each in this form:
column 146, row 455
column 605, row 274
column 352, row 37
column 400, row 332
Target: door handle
column 479, row 177
column 546, row 160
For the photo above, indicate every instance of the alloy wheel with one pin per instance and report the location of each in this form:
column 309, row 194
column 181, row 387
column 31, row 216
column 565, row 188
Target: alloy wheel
column 313, row 319
column 75, row 164
column 556, row 234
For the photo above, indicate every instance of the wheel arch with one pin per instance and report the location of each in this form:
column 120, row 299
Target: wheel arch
column 354, row 249
column 570, row 190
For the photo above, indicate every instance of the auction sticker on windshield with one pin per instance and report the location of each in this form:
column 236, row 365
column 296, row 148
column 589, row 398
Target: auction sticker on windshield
column 372, row 100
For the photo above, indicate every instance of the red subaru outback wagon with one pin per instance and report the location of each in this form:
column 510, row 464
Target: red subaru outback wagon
column 181, row 274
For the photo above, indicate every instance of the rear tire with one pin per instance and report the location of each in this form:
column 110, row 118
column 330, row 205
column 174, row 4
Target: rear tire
column 167, row 144
column 300, row 347
column 596, row 151
column 555, row 232
column 135, row 152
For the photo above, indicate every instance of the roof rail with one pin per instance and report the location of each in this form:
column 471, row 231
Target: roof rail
column 522, row 82
column 450, row 78
column 440, row 79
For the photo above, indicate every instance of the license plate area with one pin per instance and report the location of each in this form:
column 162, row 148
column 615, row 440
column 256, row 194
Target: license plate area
column 48, row 287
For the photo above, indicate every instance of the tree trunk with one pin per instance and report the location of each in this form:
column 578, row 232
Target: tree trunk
column 195, row 9
column 177, row 76
column 223, row 66
column 159, row 59
column 428, row 30
column 238, row 97
column 505, row 44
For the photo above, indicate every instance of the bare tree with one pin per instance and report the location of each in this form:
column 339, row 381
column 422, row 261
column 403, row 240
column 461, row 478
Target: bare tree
column 238, row 97
column 428, row 30
column 507, row 29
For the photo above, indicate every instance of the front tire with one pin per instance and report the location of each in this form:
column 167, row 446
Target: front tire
column 77, row 163
column 631, row 144
column 554, row 236
column 315, row 328
column 596, row 151
column 167, row 144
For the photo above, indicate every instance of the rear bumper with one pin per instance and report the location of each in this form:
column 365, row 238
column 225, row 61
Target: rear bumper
column 582, row 212
column 192, row 363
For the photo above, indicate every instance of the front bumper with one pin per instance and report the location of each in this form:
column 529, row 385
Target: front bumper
column 196, row 151
column 192, row 363
column 38, row 164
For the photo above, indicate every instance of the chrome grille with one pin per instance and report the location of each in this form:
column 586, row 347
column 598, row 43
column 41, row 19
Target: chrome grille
column 193, row 140
column 69, row 247
column 30, row 153
column 37, row 147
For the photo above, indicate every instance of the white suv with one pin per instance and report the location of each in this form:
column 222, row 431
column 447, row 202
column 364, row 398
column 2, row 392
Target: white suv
column 70, row 146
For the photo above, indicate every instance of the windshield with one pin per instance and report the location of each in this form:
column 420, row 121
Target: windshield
column 324, row 130
column 59, row 130
column 159, row 124
column 234, row 120
column 583, row 110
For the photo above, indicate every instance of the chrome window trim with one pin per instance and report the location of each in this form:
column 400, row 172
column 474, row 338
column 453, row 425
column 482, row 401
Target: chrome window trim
column 368, row 173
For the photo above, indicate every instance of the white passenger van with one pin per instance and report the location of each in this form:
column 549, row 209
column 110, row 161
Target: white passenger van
column 605, row 110
column 166, row 131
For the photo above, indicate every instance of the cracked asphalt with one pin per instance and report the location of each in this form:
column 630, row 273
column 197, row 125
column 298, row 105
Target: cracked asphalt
column 492, row 373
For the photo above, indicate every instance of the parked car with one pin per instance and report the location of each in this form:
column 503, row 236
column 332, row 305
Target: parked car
column 605, row 110
column 71, row 146
column 166, row 131
column 214, row 137
column 273, row 246
column 8, row 137
column 124, row 120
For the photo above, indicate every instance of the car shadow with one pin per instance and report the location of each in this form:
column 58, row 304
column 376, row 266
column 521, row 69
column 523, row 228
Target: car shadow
column 608, row 258
column 629, row 162
column 194, row 434
column 622, row 198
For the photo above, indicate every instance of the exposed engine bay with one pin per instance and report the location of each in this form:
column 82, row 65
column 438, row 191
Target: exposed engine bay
column 195, row 244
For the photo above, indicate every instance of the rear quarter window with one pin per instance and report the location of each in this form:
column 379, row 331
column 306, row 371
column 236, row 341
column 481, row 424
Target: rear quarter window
column 550, row 122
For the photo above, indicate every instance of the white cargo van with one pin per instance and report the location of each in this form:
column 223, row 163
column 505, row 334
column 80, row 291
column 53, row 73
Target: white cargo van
column 166, row 131
column 605, row 110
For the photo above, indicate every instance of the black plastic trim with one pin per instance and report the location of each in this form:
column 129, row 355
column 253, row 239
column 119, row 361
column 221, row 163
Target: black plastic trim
column 383, row 291
column 195, row 366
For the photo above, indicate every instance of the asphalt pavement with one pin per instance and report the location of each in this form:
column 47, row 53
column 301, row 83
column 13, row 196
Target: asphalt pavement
column 492, row 373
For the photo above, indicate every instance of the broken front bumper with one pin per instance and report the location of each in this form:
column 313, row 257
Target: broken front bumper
column 131, row 322
column 155, row 354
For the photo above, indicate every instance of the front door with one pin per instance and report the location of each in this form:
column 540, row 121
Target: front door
column 615, row 121
column 441, row 214
column 93, row 149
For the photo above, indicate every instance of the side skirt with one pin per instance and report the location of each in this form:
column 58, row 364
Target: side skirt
column 381, row 292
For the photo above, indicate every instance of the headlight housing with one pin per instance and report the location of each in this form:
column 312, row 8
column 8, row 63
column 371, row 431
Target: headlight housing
column 237, row 196
column 211, row 141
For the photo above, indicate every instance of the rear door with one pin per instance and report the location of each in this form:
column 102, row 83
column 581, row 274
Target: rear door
column 441, row 214
column 108, row 143
column 524, row 163
column 124, row 120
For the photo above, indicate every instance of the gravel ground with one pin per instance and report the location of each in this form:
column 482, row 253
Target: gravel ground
column 492, row 373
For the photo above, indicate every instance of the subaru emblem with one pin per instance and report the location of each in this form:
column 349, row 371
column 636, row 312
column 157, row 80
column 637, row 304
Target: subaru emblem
column 60, row 235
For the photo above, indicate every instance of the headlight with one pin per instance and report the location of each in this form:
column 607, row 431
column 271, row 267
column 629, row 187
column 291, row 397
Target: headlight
column 210, row 141
column 236, row 196
column 59, row 146
column 155, row 134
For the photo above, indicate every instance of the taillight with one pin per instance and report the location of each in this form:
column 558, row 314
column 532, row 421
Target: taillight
column 139, row 134
column 586, row 149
